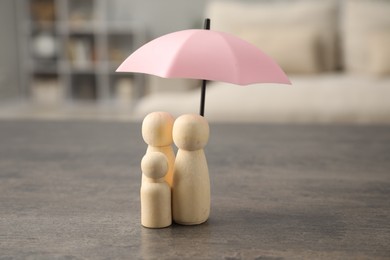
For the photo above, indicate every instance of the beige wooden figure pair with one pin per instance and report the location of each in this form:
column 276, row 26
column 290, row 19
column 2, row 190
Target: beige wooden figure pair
column 188, row 199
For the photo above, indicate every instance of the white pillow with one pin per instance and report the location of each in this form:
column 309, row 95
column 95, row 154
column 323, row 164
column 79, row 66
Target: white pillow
column 277, row 16
column 295, row 50
column 379, row 53
column 361, row 19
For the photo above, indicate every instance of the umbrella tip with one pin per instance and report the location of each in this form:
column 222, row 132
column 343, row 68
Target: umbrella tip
column 207, row 24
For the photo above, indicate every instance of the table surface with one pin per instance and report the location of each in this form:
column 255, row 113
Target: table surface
column 70, row 190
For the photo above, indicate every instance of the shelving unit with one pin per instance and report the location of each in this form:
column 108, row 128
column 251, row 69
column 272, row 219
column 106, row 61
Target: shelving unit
column 69, row 51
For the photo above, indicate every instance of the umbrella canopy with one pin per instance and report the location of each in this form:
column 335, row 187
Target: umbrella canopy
column 204, row 54
column 207, row 55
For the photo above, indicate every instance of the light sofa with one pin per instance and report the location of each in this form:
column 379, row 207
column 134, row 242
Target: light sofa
column 336, row 53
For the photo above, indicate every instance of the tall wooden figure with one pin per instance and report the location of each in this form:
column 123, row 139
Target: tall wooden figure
column 157, row 133
column 191, row 182
column 156, row 211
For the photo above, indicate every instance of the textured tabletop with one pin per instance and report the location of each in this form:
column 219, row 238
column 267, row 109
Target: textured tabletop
column 70, row 190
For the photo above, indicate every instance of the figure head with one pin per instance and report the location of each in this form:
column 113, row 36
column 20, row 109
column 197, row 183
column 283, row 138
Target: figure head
column 154, row 165
column 191, row 132
column 157, row 129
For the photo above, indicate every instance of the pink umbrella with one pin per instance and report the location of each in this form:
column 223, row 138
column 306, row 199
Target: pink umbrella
column 207, row 55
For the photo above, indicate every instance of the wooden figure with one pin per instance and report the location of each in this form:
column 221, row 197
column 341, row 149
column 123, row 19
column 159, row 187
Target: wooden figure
column 191, row 182
column 157, row 133
column 156, row 211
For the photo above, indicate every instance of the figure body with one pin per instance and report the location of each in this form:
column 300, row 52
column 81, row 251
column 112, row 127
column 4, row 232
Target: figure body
column 191, row 182
column 157, row 133
column 156, row 211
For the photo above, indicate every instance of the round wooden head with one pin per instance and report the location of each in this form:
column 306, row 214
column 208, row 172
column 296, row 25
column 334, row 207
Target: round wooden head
column 191, row 132
column 157, row 129
column 154, row 165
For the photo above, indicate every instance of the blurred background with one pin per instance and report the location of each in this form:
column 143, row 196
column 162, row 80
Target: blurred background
column 58, row 59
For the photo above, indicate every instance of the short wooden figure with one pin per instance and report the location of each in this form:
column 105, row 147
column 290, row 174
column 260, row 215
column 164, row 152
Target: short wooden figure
column 156, row 211
column 157, row 133
column 191, row 182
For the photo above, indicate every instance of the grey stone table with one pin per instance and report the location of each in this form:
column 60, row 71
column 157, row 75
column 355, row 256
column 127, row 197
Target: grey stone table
column 70, row 190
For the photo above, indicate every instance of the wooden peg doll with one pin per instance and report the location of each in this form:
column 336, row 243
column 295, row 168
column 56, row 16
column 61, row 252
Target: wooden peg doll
column 156, row 211
column 157, row 133
column 191, row 183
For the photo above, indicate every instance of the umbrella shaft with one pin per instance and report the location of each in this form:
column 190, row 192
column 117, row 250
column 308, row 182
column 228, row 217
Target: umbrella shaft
column 204, row 82
column 203, row 97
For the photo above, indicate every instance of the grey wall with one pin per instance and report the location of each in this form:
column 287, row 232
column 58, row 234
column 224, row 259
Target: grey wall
column 161, row 16
column 9, row 87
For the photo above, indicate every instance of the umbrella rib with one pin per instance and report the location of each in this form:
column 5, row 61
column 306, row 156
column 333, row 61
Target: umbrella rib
column 174, row 57
column 233, row 54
